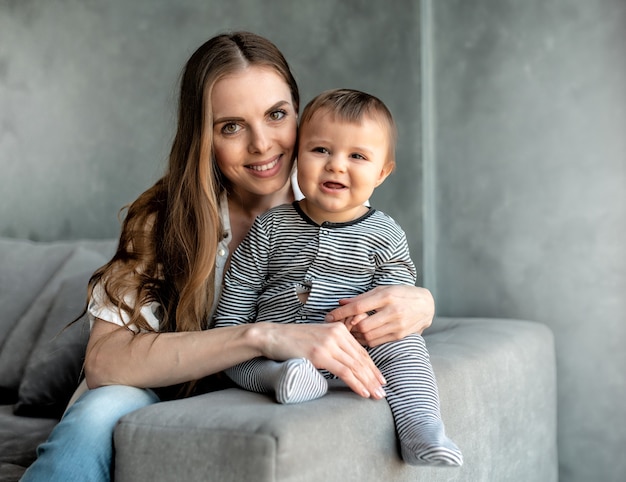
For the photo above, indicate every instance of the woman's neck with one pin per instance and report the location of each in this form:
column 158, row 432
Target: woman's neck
column 244, row 208
column 249, row 205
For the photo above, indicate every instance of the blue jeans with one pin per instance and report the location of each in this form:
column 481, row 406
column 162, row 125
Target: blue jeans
column 81, row 445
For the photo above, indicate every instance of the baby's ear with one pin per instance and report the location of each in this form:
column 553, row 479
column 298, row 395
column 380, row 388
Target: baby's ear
column 385, row 171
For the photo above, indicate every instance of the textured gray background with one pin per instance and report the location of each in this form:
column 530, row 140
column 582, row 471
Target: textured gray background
column 88, row 94
column 523, row 211
column 530, row 195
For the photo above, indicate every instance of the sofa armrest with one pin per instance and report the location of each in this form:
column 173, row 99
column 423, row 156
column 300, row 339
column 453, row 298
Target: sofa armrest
column 498, row 399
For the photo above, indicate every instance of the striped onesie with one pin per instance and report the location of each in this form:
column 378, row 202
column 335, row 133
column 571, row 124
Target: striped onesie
column 289, row 269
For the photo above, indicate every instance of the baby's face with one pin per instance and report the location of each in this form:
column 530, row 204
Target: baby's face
column 340, row 164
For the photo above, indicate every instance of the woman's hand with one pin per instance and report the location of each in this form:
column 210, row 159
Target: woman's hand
column 327, row 346
column 396, row 311
column 116, row 356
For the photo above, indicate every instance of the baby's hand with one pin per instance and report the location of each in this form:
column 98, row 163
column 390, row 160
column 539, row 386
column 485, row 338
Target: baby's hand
column 351, row 321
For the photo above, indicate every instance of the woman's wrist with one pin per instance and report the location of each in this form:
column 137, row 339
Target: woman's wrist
column 257, row 338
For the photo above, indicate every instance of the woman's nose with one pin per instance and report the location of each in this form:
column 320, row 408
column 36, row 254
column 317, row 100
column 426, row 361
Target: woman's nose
column 260, row 141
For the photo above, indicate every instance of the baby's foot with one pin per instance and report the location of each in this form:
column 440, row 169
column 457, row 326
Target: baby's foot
column 299, row 381
column 427, row 444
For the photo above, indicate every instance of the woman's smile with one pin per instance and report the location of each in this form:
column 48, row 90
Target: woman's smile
column 266, row 167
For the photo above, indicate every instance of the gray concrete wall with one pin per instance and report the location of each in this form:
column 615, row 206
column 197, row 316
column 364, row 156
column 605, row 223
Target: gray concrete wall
column 88, row 91
column 529, row 213
column 525, row 199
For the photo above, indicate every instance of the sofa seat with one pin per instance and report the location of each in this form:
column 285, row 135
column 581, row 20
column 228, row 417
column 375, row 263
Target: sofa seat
column 497, row 385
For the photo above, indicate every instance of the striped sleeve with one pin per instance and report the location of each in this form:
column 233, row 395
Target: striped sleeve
column 243, row 283
column 398, row 267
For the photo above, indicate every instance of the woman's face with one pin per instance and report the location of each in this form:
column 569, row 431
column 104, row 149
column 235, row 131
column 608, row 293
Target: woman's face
column 254, row 130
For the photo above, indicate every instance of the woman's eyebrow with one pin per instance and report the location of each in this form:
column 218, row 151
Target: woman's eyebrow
column 227, row 119
column 277, row 105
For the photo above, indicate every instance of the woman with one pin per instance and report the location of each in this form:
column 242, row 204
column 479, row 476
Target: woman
column 231, row 160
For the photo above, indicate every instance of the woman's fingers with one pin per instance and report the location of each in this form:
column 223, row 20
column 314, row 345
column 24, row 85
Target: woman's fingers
column 356, row 366
column 329, row 347
column 342, row 355
column 395, row 312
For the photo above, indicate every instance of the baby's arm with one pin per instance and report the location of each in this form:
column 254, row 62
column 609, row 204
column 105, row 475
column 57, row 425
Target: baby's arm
column 292, row 381
column 394, row 268
column 243, row 282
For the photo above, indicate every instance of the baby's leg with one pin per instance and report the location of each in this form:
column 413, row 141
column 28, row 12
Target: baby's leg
column 414, row 401
column 292, row 381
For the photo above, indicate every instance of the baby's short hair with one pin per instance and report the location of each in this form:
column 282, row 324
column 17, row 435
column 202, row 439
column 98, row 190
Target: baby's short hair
column 352, row 105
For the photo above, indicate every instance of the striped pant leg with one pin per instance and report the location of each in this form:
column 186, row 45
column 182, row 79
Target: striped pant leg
column 250, row 375
column 413, row 397
column 291, row 381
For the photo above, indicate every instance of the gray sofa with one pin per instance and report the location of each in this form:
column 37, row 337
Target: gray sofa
column 497, row 381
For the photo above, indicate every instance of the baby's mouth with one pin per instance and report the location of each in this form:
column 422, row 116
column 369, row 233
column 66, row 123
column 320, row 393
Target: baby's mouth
column 333, row 185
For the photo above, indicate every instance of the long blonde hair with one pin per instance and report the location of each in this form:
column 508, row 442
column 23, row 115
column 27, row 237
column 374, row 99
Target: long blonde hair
column 170, row 234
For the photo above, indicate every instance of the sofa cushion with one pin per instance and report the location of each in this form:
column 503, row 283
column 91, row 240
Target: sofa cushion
column 20, row 436
column 20, row 341
column 26, row 269
column 55, row 365
column 11, row 472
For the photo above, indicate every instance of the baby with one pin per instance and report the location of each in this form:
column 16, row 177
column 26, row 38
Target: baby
column 300, row 259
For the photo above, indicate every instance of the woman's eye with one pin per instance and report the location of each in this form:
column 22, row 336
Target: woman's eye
column 277, row 115
column 230, row 128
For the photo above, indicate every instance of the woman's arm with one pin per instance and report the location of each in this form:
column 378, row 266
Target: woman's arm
column 398, row 310
column 117, row 356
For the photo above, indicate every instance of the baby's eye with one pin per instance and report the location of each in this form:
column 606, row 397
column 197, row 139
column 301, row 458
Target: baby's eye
column 277, row 114
column 356, row 155
column 231, row 128
column 321, row 150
